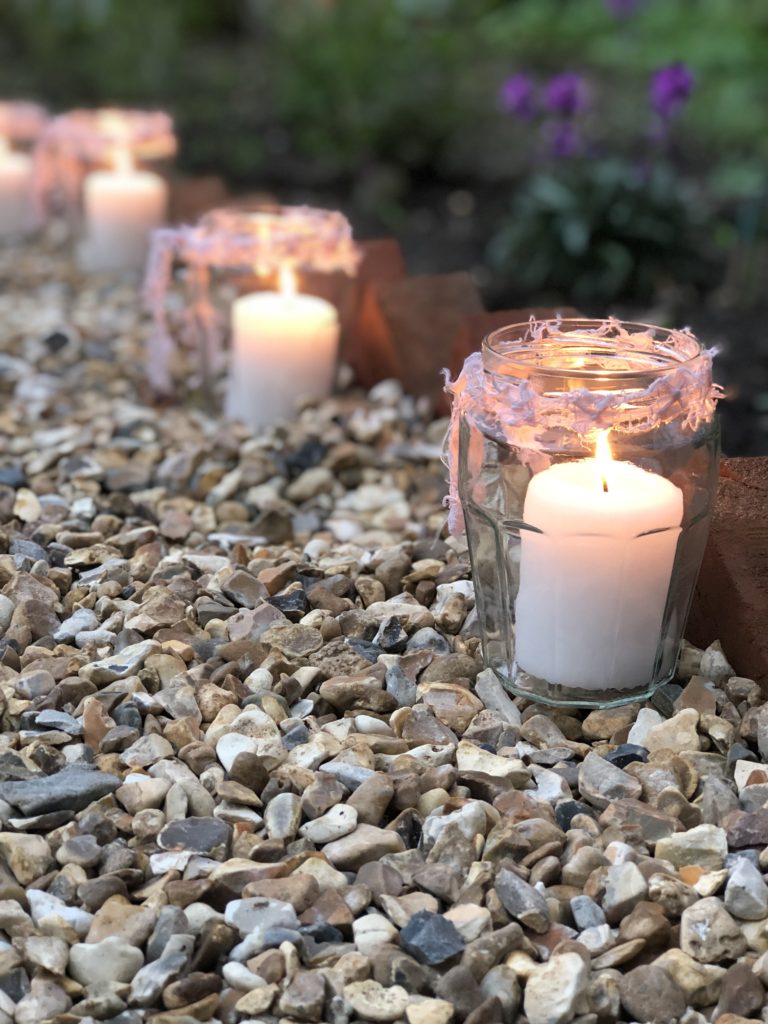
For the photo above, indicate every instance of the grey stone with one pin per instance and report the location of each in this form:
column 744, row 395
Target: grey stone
column 649, row 995
column 210, row 836
column 72, row 788
column 709, row 934
column 601, row 782
column 522, row 901
column 746, row 894
column 431, row 939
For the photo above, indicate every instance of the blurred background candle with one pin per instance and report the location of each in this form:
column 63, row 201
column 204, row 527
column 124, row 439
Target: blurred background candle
column 17, row 215
column 122, row 208
column 594, row 580
column 284, row 348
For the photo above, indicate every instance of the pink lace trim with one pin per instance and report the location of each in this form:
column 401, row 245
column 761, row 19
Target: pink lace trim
column 21, row 121
column 520, row 414
column 72, row 141
column 233, row 239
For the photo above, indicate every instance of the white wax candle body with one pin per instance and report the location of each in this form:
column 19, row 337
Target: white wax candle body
column 283, row 348
column 122, row 208
column 17, row 213
column 594, row 582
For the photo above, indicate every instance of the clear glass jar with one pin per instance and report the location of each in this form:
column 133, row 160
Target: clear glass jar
column 585, row 566
column 107, row 171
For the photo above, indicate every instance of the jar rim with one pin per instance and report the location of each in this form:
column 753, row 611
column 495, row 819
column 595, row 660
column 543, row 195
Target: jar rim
column 518, row 349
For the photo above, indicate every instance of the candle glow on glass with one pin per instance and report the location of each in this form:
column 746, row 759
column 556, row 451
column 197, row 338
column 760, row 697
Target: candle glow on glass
column 287, row 281
column 123, row 206
column 596, row 562
column 284, row 347
column 17, row 216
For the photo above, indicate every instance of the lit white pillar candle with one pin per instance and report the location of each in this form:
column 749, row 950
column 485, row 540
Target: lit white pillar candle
column 594, row 581
column 17, row 214
column 122, row 207
column 284, row 348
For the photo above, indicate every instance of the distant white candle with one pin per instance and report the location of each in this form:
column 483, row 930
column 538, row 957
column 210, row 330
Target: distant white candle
column 17, row 215
column 594, row 582
column 122, row 208
column 284, row 348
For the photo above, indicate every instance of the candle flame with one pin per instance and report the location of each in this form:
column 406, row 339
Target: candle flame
column 259, row 220
column 122, row 160
column 288, row 286
column 603, row 457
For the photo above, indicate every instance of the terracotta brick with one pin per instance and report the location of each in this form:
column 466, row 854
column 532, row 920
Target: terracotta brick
column 731, row 600
column 407, row 326
column 190, row 198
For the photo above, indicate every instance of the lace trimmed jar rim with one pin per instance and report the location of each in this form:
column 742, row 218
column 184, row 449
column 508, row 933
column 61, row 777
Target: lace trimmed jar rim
column 630, row 352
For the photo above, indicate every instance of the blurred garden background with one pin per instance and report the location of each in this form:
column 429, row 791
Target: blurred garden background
column 610, row 154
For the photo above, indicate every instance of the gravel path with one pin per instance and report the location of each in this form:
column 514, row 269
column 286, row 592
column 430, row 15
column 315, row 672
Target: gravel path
column 251, row 768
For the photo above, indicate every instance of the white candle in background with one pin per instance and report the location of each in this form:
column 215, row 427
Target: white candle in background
column 17, row 214
column 284, row 348
column 594, row 581
column 122, row 207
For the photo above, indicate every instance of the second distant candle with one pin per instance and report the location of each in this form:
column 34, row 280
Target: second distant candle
column 284, row 348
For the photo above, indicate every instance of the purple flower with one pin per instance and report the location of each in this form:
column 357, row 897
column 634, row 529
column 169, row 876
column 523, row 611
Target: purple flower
column 566, row 94
column 623, row 8
column 670, row 88
column 564, row 140
column 517, row 95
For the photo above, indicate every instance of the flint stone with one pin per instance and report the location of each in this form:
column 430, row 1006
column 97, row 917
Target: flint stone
column 649, row 995
column 81, row 620
column 459, row 987
column 112, row 959
column 44, row 904
column 746, row 894
column 646, row 719
column 625, row 886
column 45, row 1000
column 282, row 816
column 493, row 695
column 601, row 782
column 337, row 822
column 522, row 901
column 210, row 836
column 709, row 934
column 678, row 733
column 126, row 662
column 119, row 918
column 431, row 938
column 365, row 844
column 742, row 993
column 48, row 952
column 371, row 932
column 700, row 983
column 586, row 913
column 151, row 979
column 704, row 845
column 747, row 829
column 556, row 992
column 27, row 856
column 372, row 1002
column 71, row 789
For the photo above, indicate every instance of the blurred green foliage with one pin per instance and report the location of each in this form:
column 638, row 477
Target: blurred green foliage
column 605, row 231
column 374, row 99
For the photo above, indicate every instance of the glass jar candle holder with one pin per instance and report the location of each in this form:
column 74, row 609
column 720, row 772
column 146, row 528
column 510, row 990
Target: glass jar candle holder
column 583, row 460
column 107, row 172
column 21, row 124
